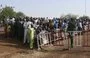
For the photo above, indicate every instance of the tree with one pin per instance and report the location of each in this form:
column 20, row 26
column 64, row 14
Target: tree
column 84, row 17
column 7, row 12
column 20, row 14
column 69, row 16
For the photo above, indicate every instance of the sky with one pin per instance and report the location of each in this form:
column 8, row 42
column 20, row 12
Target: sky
column 49, row 8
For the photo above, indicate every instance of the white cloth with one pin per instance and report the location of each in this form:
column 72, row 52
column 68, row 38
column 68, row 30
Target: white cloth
column 80, row 24
column 25, row 31
column 25, row 25
column 36, row 21
column 86, row 27
column 25, row 35
column 29, row 26
column 13, row 20
column 44, row 37
column 29, row 23
column 35, row 26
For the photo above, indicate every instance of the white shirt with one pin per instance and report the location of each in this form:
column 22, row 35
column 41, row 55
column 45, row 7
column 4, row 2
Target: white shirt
column 25, row 25
column 29, row 24
column 80, row 24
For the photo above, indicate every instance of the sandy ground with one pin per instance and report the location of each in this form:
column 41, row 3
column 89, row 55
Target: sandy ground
column 14, row 49
column 11, row 48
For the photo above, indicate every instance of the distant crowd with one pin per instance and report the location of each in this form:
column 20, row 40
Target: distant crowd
column 26, row 29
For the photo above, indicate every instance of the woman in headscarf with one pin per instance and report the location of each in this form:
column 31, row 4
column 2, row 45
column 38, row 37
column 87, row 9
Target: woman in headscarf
column 31, row 36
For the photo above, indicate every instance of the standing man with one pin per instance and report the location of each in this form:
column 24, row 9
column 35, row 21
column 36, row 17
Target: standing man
column 80, row 26
column 25, row 30
column 55, row 23
column 6, row 27
column 71, row 28
column 64, row 26
column 64, row 34
column 12, row 30
column 32, row 35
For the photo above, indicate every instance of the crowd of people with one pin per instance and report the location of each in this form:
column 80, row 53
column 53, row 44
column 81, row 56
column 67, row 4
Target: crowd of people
column 26, row 29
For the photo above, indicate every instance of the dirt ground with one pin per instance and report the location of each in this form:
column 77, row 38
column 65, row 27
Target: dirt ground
column 11, row 48
column 14, row 49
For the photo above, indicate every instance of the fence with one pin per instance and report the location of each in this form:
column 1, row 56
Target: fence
column 60, row 38
column 49, row 38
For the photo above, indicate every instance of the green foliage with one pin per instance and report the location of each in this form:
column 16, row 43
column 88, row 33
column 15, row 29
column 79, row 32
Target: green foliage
column 68, row 16
column 20, row 14
column 84, row 17
column 7, row 12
